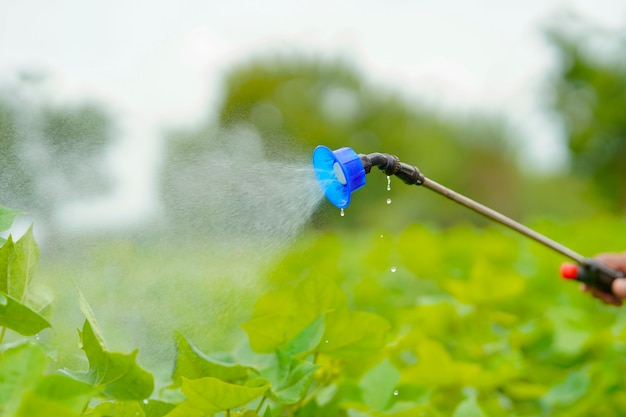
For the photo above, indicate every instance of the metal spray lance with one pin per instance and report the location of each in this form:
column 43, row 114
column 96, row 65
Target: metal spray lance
column 342, row 172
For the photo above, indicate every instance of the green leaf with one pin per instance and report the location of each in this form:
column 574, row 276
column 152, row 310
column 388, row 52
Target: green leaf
column 34, row 406
column 575, row 386
column 85, row 308
column 191, row 363
column 469, row 408
column 289, row 377
column 272, row 331
column 63, row 390
column 318, row 295
column 308, row 339
column 155, row 408
column 23, row 266
column 56, row 395
column 16, row 316
column 118, row 375
column 117, row 409
column 210, row 395
column 377, row 385
column 7, row 216
column 186, row 409
column 354, row 334
column 21, row 368
column 7, row 256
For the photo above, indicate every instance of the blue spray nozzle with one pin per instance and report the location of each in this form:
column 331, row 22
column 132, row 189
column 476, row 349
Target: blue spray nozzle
column 340, row 173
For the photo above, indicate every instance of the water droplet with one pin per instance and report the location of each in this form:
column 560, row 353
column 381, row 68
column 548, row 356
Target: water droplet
column 381, row 236
column 395, row 393
column 326, row 341
column 389, row 201
column 388, row 183
column 145, row 401
column 342, row 213
column 393, row 269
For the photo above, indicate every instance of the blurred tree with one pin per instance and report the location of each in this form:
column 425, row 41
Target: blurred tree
column 51, row 154
column 589, row 95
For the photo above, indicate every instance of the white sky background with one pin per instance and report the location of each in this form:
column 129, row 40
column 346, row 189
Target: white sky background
column 160, row 63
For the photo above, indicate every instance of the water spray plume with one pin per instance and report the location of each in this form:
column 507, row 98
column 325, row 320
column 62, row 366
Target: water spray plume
column 342, row 172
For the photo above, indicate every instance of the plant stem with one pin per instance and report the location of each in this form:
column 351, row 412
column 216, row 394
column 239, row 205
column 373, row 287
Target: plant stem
column 2, row 333
column 258, row 409
column 227, row 413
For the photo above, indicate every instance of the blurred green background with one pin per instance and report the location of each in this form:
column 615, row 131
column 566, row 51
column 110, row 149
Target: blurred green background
column 467, row 296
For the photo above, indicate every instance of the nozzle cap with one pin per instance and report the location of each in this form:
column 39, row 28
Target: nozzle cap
column 569, row 271
column 339, row 173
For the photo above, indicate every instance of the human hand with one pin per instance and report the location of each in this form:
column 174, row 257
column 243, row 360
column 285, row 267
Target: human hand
column 615, row 261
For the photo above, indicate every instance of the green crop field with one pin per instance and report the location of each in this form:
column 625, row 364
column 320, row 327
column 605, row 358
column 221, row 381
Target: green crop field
column 425, row 322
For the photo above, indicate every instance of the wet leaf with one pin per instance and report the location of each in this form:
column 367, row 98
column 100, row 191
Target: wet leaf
column 210, row 395
column 21, row 368
column 354, row 334
column 469, row 408
column 377, row 385
column 118, row 375
column 290, row 377
column 117, row 409
column 19, row 318
column 191, row 363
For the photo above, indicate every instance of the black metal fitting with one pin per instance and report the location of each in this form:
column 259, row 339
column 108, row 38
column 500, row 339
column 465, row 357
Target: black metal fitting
column 391, row 165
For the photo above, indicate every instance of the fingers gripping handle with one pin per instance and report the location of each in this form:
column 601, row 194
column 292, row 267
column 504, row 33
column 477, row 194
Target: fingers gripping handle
column 592, row 273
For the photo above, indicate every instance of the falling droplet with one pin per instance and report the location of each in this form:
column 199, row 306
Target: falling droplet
column 342, row 213
column 388, row 183
column 381, row 236
column 395, row 393
column 393, row 269
column 389, row 201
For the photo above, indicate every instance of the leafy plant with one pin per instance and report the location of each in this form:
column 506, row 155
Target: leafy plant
column 408, row 325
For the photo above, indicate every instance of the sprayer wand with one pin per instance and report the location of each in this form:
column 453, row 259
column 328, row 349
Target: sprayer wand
column 342, row 172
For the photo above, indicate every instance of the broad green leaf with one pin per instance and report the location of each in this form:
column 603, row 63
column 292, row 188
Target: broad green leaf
column 7, row 256
column 289, row 377
column 17, row 317
column 118, row 375
column 155, row 408
column 210, row 395
column 307, row 339
column 469, row 408
column 85, row 308
column 22, row 268
column 21, row 368
column 191, row 363
column 7, row 216
column 117, row 409
column 273, row 331
column 186, row 409
column 575, row 386
column 245, row 413
column 436, row 367
column 378, row 384
column 571, row 329
column 65, row 391
column 281, row 321
column 487, row 285
column 353, row 334
column 35, row 406
column 319, row 295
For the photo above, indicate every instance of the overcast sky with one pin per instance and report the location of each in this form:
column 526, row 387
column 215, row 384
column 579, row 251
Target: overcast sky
column 158, row 63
